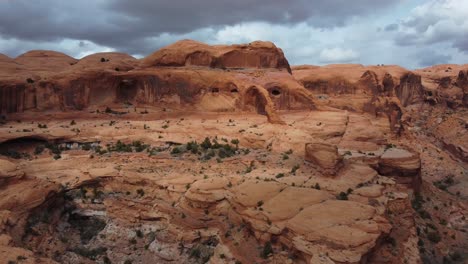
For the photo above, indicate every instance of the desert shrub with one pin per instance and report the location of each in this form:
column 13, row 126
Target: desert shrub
column 86, row 146
column 201, row 252
column 294, row 169
column 279, row 175
column 206, row 144
column 209, row 154
column 108, row 110
column 106, row 260
column 417, row 201
column 39, row 149
column 176, row 151
column 250, row 167
column 434, row 237
column 139, row 146
column 88, row 227
column 445, row 183
column 11, row 153
column 235, row 142
column 72, row 123
column 90, row 253
column 267, row 250
column 342, row 196
column 193, row 147
column 120, row 147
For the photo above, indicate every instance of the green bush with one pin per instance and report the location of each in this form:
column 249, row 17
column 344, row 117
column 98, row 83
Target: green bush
column 267, row 250
column 294, row 169
column 193, row 147
column 342, row 196
column 176, row 150
column 206, row 144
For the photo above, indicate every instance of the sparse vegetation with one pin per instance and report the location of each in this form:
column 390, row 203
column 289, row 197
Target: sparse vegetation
column 445, row 183
column 342, row 196
column 294, row 169
column 90, row 253
column 267, row 250
column 39, row 149
column 279, row 175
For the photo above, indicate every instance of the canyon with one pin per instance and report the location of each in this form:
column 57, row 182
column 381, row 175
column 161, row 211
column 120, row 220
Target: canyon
column 227, row 154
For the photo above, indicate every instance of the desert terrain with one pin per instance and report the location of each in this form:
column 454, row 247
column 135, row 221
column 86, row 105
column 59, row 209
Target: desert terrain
column 227, row 154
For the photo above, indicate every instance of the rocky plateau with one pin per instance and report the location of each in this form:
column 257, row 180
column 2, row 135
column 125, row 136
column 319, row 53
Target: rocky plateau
column 227, row 154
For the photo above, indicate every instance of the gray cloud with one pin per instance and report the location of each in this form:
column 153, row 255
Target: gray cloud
column 391, row 27
column 129, row 26
column 437, row 21
column 431, row 57
column 461, row 44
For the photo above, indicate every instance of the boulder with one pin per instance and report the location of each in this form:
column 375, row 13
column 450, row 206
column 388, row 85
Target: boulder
column 403, row 164
column 324, row 155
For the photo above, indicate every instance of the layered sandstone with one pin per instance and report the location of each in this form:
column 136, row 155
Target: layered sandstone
column 324, row 155
column 202, row 153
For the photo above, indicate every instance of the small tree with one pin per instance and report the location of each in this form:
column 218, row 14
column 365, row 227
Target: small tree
column 206, row 144
column 235, row 142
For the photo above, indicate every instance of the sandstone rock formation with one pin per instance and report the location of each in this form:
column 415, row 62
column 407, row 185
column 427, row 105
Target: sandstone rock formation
column 402, row 163
column 253, row 77
column 219, row 154
column 324, row 155
column 257, row 54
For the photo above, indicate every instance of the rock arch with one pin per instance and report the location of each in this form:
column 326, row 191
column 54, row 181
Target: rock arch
column 259, row 98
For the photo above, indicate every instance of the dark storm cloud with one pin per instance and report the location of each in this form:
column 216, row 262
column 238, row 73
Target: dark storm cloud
column 129, row 25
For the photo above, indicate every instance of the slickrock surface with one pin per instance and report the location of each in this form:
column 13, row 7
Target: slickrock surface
column 226, row 154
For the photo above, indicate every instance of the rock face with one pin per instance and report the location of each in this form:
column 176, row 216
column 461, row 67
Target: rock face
column 410, row 90
column 8, row 171
column 257, row 54
column 462, row 81
column 403, row 163
column 202, row 153
column 251, row 77
column 324, row 155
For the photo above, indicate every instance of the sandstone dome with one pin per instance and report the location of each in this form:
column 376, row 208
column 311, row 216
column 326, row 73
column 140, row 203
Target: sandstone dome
column 45, row 60
column 258, row 54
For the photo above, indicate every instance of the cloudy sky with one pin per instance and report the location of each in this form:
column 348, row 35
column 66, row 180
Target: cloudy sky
column 411, row 33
